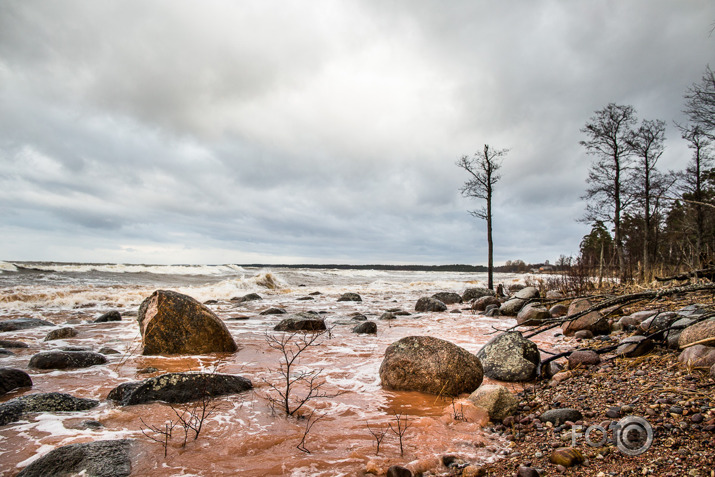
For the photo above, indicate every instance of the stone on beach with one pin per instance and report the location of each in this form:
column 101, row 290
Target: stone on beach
column 173, row 323
column 510, row 357
column 178, row 388
column 111, row 458
column 583, row 357
column 496, row 399
column 593, row 321
column 481, row 303
column 430, row 365
column 474, row 293
column 23, row 324
column 366, row 327
column 299, row 323
column 61, row 333
column 109, row 316
column 448, row 298
column 702, row 333
column 350, row 297
column 66, row 359
column 698, row 356
column 532, row 315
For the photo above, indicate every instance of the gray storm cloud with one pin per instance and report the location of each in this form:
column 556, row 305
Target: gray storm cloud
column 317, row 131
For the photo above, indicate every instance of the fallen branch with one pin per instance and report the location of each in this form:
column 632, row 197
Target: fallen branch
column 708, row 273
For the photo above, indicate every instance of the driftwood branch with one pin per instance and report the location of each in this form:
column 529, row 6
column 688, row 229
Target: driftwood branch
column 708, row 273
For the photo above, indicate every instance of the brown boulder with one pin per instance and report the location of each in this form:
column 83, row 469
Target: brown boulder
column 430, row 365
column 594, row 321
column 585, row 357
column 698, row 356
column 481, row 304
column 703, row 333
column 172, row 323
column 532, row 315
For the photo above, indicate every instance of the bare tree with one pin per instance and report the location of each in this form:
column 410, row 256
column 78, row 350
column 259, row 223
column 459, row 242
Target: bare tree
column 483, row 168
column 608, row 132
column 646, row 142
column 700, row 104
column 309, row 422
column 693, row 181
column 378, row 434
column 401, row 426
column 291, row 346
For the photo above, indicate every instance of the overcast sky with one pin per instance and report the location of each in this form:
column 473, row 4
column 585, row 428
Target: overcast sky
column 319, row 131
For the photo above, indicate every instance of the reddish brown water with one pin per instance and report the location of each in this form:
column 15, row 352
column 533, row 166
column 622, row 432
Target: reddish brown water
column 245, row 436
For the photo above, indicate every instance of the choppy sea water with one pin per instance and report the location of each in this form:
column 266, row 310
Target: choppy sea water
column 246, row 436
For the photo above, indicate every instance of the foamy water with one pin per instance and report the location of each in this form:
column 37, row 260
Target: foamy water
column 246, row 436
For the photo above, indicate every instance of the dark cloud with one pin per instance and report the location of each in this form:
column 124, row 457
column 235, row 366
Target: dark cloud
column 264, row 131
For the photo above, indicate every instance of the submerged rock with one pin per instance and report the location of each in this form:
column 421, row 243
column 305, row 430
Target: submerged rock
column 350, row 297
column 300, row 323
column 510, row 357
column 178, row 388
column 11, row 378
column 245, row 298
column 61, row 333
column 66, row 359
column 366, row 327
column 427, row 304
column 23, row 324
column 172, row 323
column 100, row 459
column 273, row 311
column 13, row 344
column 14, row 409
column 109, row 316
column 430, row 365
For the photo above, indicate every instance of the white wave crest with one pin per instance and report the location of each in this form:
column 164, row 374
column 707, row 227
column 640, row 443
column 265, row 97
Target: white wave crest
column 128, row 268
column 7, row 267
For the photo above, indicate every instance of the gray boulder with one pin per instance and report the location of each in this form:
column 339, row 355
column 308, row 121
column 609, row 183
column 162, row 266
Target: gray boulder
column 66, row 359
column 594, row 321
column 481, row 304
column 11, row 378
column 23, row 324
column 512, row 307
column 448, row 298
column 559, row 416
column 532, row 315
column 673, row 335
column 178, row 388
column 635, row 346
column 527, row 293
column 430, row 365
column 496, row 400
column 429, row 304
column 474, row 293
column 14, row 409
column 510, row 357
column 97, row 459
column 558, row 310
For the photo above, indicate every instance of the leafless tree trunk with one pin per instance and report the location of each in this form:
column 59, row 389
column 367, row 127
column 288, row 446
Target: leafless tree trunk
column 700, row 104
column 482, row 168
column 608, row 131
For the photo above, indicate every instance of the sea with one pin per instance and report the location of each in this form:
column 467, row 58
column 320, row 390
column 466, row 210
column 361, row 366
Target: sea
column 246, row 434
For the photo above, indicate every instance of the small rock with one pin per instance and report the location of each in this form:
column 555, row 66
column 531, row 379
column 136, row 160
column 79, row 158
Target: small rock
column 475, row 293
column 13, row 344
column 106, row 350
column 61, row 333
column 448, row 298
column 11, row 378
column 567, row 457
column 526, row 472
column 23, row 324
column 583, row 358
column 66, row 359
column 366, row 327
column 496, row 399
column 473, row 471
column 350, row 297
column 583, row 334
column 273, row 311
column 398, row 471
column 613, row 412
column 245, row 298
column 429, row 304
column 559, row 416
column 388, row 316
column 301, row 324
column 109, row 316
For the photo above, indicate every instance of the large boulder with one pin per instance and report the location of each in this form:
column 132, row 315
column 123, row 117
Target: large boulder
column 532, row 315
column 658, row 322
column 512, row 307
column 350, row 297
column 594, row 321
column 448, row 298
column 698, row 356
column 178, row 388
column 702, row 332
column 430, row 365
column 99, row 458
column 510, row 357
column 66, row 359
column 23, row 324
column 14, row 409
column 527, row 293
column 11, row 378
column 496, row 399
column 172, row 323
column 672, row 336
column 481, row 303
column 429, row 304
column 474, row 293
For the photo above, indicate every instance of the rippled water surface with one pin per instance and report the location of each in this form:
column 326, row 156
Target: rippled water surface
column 246, row 435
